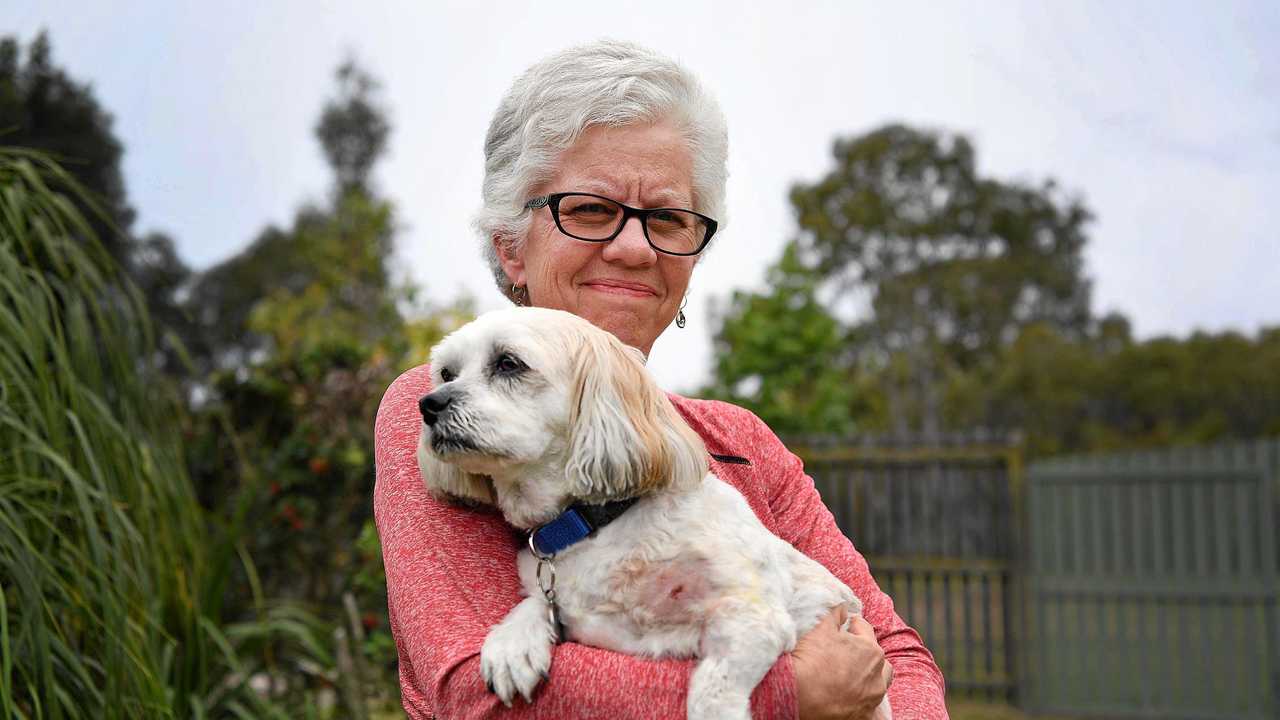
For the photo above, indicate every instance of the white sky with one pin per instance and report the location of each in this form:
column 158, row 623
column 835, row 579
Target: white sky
column 1165, row 117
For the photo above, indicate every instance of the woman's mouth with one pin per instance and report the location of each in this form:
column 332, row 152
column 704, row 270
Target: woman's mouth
column 627, row 289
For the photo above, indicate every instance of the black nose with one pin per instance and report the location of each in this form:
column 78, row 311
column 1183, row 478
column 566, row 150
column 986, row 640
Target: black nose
column 433, row 404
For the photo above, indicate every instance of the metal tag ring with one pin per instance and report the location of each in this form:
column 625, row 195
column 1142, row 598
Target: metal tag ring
column 533, row 548
column 548, row 586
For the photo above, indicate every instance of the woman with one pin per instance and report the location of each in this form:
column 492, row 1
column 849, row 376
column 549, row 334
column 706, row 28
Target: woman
column 581, row 142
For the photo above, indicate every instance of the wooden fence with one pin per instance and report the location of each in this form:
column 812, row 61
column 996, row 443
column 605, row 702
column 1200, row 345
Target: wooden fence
column 935, row 522
column 1142, row 585
column 1153, row 584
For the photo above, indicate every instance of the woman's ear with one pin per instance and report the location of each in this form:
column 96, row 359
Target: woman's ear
column 510, row 258
column 448, row 482
column 626, row 439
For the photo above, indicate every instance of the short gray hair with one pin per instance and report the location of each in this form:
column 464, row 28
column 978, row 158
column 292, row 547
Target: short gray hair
column 553, row 102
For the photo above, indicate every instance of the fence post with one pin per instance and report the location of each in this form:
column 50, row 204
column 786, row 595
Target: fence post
column 1015, row 617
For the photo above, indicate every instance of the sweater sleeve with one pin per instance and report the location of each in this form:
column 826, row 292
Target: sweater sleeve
column 451, row 576
column 804, row 521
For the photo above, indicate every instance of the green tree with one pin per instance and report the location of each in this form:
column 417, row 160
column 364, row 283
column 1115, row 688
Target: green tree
column 328, row 274
column 44, row 108
column 933, row 270
column 1200, row 389
column 111, row 576
column 307, row 328
column 353, row 129
column 786, row 356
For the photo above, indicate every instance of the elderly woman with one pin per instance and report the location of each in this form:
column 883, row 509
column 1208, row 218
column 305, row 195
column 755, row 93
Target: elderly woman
column 604, row 180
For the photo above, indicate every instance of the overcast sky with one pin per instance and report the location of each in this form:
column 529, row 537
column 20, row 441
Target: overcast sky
column 1165, row 117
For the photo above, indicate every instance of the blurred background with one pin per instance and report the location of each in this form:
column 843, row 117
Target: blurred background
column 1004, row 275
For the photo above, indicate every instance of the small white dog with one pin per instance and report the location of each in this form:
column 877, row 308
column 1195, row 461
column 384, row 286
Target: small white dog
column 639, row 549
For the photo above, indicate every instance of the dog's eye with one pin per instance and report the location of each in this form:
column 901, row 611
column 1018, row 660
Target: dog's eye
column 446, row 375
column 508, row 364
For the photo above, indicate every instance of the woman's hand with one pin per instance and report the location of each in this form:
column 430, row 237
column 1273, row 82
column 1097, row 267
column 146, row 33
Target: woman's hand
column 840, row 675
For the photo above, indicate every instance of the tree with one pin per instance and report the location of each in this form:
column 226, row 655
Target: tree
column 934, row 269
column 353, row 129
column 788, row 357
column 330, row 267
column 111, row 575
column 306, row 328
column 43, row 108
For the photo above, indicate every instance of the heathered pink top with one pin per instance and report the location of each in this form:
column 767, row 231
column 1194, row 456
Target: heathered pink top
column 451, row 576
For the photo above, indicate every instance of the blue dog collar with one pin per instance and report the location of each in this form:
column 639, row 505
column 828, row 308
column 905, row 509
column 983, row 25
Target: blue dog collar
column 574, row 525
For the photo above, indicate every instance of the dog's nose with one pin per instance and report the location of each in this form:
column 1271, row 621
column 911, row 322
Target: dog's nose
column 433, row 404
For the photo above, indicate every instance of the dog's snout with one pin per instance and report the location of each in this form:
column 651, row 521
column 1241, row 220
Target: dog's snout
column 433, row 404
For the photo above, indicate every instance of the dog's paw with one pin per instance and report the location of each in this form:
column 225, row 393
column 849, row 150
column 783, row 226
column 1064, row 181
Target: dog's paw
column 516, row 655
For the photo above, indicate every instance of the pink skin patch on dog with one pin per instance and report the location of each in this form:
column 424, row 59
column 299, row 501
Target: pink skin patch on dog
column 664, row 593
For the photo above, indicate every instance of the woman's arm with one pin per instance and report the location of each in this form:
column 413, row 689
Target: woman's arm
column 451, row 576
column 917, row 692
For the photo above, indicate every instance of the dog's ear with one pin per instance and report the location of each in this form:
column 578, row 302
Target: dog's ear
column 448, row 482
column 626, row 439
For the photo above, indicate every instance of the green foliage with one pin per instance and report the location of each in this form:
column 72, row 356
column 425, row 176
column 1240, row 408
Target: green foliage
column 939, row 268
column 952, row 265
column 920, row 296
column 796, row 380
column 303, row 413
column 43, row 108
column 111, row 578
column 343, row 257
column 306, row 329
column 353, row 129
column 191, row 528
column 963, row 260
column 325, row 280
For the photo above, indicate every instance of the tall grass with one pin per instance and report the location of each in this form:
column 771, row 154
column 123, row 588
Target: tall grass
column 111, row 576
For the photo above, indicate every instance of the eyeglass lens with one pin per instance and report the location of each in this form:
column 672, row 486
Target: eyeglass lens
column 593, row 218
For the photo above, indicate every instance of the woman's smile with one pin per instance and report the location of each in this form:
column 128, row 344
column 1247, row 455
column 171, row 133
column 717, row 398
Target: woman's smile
column 619, row 287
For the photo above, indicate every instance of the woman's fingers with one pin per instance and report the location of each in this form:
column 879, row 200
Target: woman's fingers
column 859, row 626
column 838, row 615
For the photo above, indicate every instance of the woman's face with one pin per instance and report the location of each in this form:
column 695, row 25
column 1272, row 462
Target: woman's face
column 623, row 286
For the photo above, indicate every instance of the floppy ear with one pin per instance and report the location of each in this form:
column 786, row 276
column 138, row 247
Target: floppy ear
column 626, row 439
column 448, row 482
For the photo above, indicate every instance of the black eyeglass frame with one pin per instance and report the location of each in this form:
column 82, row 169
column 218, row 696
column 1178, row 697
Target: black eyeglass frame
column 628, row 212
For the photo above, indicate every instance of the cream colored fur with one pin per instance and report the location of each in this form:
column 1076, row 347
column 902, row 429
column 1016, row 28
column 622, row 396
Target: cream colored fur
column 688, row 571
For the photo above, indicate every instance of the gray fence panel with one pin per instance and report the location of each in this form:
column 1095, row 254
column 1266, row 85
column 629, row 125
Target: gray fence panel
column 934, row 520
column 1153, row 584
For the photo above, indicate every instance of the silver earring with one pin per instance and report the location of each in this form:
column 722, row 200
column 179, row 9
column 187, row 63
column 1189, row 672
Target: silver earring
column 680, row 319
column 518, row 295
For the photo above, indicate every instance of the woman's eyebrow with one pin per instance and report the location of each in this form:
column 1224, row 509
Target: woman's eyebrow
column 664, row 197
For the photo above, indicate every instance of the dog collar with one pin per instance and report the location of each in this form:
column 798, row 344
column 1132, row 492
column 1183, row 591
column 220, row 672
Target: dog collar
column 575, row 524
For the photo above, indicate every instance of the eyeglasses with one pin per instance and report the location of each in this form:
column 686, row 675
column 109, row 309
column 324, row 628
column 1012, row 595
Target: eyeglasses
column 593, row 218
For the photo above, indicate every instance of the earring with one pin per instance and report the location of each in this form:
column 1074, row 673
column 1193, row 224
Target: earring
column 680, row 320
column 519, row 295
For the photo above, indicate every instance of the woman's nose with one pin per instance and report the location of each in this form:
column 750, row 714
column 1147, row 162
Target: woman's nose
column 630, row 246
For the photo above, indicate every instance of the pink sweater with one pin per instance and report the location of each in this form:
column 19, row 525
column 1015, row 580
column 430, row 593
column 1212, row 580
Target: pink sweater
column 451, row 576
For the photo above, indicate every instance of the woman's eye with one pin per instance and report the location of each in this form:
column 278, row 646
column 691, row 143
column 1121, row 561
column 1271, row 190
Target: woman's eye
column 446, row 375
column 670, row 218
column 589, row 209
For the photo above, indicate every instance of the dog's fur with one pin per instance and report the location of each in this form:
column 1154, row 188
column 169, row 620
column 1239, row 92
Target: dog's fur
column 543, row 410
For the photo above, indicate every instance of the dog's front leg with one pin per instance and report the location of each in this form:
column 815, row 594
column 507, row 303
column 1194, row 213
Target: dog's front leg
column 738, row 647
column 517, row 652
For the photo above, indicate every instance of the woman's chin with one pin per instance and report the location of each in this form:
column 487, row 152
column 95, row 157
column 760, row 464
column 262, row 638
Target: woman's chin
column 633, row 324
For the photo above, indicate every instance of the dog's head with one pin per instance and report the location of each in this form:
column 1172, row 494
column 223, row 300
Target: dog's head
column 534, row 409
